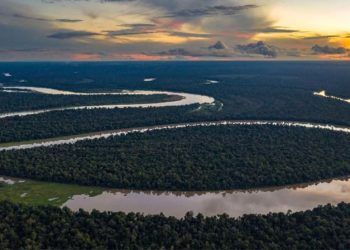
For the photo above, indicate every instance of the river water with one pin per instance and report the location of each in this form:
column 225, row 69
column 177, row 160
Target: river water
column 233, row 203
column 121, row 132
column 187, row 99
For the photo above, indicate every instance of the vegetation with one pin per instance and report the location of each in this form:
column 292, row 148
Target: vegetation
column 200, row 158
column 251, row 90
column 56, row 124
column 245, row 103
column 11, row 102
column 25, row 227
column 43, row 193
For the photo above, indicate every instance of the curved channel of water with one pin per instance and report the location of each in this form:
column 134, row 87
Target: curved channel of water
column 234, row 203
column 186, row 99
column 120, row 132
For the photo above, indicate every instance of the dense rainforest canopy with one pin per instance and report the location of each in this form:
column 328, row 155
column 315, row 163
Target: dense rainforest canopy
column 273, row 91
column 11, row 102
column 25, row 227
column 197, row 158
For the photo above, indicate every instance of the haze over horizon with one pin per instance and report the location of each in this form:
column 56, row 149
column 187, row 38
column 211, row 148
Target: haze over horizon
column 84, row 30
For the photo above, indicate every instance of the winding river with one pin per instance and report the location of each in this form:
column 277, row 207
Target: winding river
column 234, row 203
column 186, row 99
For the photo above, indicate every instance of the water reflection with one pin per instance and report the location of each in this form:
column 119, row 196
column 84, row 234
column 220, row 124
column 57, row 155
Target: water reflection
column 234, row 203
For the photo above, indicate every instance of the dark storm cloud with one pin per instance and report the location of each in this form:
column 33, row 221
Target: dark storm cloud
column 72, row 34
column 275, row 30
column 176, row 52
column 317, row 49
column 147, row 28
column 181, row 52
column 219, row 49
column 133, row 29
column 218, row 46
column 138, row 25
column 65, row 20
column 128, row 32
column 131, row 32
column 211, row 11
column 189, row 34
column 61, row 20
column 259, row 48
column 319, row 37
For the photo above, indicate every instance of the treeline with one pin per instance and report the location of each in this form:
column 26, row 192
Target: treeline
column 199, row 158
column 11, row 102
column 47, row 227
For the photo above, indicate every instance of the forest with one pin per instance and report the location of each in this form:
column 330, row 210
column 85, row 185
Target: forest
column 246, row 103
column 197, row 158
column 269, row 91
column 48, row 227
column 11, row 102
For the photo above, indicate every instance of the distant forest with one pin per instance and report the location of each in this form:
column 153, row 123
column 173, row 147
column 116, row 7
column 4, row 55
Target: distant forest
column 25, row 227
column 271, row 91
column 198, row 158
column 11, row 102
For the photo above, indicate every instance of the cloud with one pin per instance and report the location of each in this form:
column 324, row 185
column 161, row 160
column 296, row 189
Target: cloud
column 128, row 32
column 139, row 25
column 190, row 29
column 218, row 50
column 181, row 52
column 177, row 52
column 259, row 48
column 317, row 49
column 319, row 37
column 189, row 34
column 72, row 34
column 61, row 20
column 211, row 11
column 65, row 20
column 147, row 28
column 133, row 29
column 218, row 46
column 275, row 30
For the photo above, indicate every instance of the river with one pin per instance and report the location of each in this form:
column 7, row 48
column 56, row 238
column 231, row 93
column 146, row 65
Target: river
column 186, row 99
column 234, row 203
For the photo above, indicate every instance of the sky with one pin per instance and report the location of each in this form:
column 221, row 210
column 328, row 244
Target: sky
column 89, row 30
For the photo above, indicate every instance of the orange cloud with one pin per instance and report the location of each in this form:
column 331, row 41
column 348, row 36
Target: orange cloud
column 342, row 57
column 85, row 57
column 139, row 56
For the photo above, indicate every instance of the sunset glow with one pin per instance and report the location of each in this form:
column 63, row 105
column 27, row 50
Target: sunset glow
column 105, row 30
